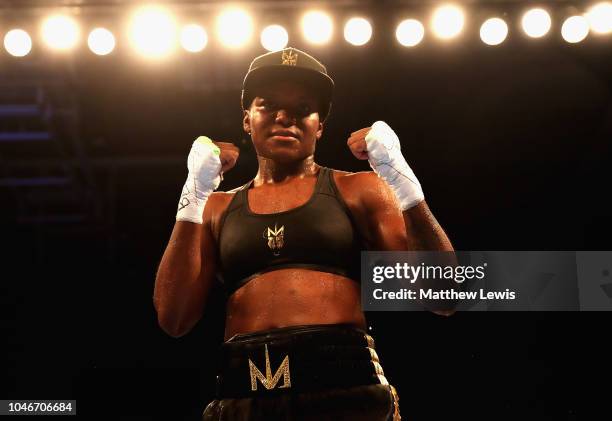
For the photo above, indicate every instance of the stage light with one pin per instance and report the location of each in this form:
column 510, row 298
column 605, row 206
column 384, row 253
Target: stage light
column 18, row 42
column 234, row 28
column 101, row 41
column 274, row 38
column 193, row 38
column 493, row 31
column 600, row 18
column 410, row 32
column 536, row 23
column 357, row 31
column 575, row 29
column 317, row 27
column 60, row 32
column 447, row 21
column 153, row 32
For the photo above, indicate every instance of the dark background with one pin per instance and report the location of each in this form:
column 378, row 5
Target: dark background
column 510, row 143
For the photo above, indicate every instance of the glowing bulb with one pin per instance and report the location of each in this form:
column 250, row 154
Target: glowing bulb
column 357, row 31
column 101, row 41
column 193, row 38
column 274, row 38
column 317, row 27
column 60, row 32
column 234, row 28
column 600, row 18
column 536, row 23
column 410, row 32
column 447, row 21
column 153, row 32
column 575, row 29
column 494, row 31
column 18, row 42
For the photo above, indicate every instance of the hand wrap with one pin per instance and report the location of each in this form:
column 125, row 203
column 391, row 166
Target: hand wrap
column 203, row 178
column 385, row 158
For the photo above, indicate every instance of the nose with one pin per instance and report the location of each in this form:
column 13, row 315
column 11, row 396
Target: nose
column 285, row 117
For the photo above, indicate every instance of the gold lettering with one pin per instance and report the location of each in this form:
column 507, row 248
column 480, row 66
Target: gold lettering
column 268, row 380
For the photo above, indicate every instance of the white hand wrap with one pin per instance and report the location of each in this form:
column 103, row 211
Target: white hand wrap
column 385, row 158
column 204, row 177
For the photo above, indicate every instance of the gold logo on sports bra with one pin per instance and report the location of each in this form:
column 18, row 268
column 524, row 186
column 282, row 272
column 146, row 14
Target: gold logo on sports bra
column 268, row 381
column 275, row 238
column 289, row 58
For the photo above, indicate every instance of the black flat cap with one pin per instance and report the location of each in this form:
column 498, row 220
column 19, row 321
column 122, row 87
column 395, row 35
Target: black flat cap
column 292, row 64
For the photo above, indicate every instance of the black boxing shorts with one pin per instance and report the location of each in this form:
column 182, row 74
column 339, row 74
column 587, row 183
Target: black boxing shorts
column 314, row 372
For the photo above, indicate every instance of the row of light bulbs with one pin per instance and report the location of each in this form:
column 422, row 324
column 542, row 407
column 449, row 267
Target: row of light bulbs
column 153, row 31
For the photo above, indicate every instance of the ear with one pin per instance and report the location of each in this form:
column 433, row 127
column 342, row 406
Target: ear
column 320, row 131
column 246, row 121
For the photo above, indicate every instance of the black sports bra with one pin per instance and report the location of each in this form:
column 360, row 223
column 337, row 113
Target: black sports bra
column 318, row 235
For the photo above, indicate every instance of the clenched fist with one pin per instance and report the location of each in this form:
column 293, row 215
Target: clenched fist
column 357, row 143
column 206, row 163
column 228, row 155
column 381, row 147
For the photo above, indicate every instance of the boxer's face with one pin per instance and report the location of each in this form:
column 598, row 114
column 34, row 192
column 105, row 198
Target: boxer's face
column 284, row 121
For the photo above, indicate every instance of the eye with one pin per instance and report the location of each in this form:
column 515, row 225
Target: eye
column 305, row 109
column 269, row 104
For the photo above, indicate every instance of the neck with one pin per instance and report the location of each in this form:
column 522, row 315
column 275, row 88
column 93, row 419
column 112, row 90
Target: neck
column 275, row 172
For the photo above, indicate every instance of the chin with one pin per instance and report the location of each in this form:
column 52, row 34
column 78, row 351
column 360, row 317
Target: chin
column 285, row 155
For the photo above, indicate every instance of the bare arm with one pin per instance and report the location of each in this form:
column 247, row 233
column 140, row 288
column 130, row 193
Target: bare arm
column 426, row 234
column 424, row 231
column 185, row 275
column 381, row 147
column 385, row 227
column 187, row 269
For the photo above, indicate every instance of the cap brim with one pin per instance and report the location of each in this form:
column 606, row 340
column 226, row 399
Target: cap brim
column 322, row 84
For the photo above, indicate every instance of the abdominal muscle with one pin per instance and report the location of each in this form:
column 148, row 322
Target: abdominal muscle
column 291, row 297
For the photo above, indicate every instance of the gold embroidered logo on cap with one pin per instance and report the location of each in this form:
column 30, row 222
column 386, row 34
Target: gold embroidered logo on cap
column 289, row 58
column 268, row 381
column 276, row 238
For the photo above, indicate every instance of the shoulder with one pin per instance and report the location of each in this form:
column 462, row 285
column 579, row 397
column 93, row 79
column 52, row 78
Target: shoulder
column 354, row 179
column 374, row 209
column 216, row 206
column 359, row 188
column 219, row 200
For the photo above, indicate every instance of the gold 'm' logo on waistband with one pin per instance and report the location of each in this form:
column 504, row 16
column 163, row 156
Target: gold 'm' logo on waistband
column 268, row 381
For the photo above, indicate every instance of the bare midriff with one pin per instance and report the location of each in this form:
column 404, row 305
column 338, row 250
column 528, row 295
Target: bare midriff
column 292, row 297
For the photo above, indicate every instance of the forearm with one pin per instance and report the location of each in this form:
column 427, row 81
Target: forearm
column 424, row 231
column 183, row 279
column 176, row 284
column 426, row 234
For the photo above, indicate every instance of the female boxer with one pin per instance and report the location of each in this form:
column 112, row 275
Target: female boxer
column 286, row 246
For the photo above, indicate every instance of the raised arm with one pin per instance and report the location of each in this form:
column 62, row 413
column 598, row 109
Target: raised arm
column 424, row 229
column 185, row 276
column 384, row 226
column 187, row 269
column 395, row 195
column 394, row 202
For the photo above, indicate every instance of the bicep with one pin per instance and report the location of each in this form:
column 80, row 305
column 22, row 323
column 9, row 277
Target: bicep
column 208, row 249
column 382, row 223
